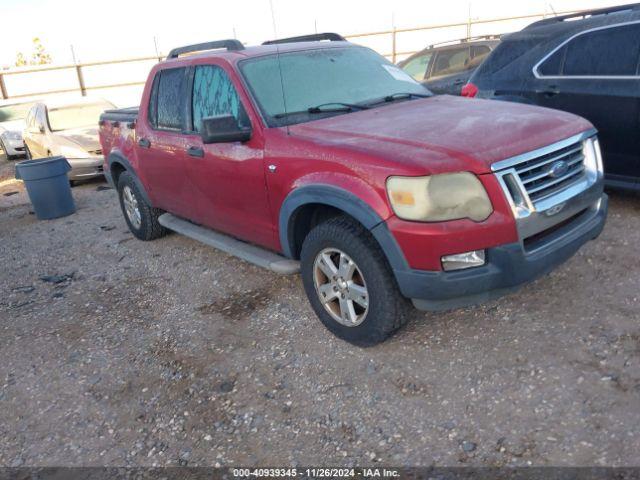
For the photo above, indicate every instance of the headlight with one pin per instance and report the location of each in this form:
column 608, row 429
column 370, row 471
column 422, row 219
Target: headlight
column 437, row 198
column 73, row 152
column 592, row 156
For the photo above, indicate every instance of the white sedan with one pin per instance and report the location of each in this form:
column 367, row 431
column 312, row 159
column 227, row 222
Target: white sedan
column 12, row 115
column 69, row 129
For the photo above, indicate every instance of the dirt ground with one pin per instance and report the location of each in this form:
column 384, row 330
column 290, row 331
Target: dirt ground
column 172, row 353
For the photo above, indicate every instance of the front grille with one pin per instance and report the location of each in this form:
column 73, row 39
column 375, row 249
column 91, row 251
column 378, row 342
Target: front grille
column 538, row 177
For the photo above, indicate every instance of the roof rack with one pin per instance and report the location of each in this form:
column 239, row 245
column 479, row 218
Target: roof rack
column 466, row 40
column 316, row 37
column 232, row 45
column 586, row 13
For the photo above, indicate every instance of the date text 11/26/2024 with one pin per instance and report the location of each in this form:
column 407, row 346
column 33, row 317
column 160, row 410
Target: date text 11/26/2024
column 315, row 472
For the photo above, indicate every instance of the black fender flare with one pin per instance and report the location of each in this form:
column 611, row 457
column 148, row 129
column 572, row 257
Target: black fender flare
column 347, row 202
column 117, row 158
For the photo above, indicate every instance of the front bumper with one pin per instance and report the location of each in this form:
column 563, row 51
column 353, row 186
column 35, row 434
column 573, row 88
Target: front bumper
column 85, row 168
column 14, row 148
column 508, row 266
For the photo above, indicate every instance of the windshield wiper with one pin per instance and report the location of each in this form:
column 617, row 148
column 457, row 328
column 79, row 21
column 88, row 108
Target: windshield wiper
column 334, row 107
column 337, row 107
column 397, row 96
column 402, row 95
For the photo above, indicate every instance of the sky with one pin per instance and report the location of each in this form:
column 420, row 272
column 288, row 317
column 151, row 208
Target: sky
column 100, row 30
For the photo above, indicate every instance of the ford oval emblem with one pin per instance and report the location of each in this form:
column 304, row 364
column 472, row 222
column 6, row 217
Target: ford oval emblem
column 554, row 210
column 558, row 169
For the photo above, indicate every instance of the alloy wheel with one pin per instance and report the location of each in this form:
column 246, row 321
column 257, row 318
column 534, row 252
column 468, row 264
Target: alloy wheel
column 131, row 207
column 341, row 287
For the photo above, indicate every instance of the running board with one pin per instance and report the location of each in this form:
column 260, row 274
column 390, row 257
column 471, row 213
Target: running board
column 250, row 253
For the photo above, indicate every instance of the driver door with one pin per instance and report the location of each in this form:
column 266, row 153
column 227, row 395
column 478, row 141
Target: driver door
column 36, row 133
column 229, row 177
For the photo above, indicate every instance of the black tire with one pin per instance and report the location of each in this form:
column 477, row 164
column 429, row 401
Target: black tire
column 388, row 310
column 27, row 152
column 149, row 228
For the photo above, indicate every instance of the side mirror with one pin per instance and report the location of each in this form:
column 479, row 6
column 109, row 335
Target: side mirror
column 223, row 128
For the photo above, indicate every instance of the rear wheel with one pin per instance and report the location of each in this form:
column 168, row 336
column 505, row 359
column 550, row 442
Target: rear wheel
column 141, row 218
column 350, row 284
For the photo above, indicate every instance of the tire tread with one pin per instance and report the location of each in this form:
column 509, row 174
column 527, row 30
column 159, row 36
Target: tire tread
column 345, row 230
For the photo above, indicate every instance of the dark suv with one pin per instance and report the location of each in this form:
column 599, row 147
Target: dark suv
column 445, row 68
column 587, row 64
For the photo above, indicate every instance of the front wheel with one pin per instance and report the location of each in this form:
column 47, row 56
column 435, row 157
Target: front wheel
column 350, row 284
column 141, row 218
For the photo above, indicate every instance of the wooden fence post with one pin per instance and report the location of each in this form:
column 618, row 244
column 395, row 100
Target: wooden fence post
column 83, row 89
column 393, row 45
column 3, row 88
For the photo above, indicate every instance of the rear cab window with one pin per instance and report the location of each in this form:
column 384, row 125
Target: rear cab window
column 166, row 111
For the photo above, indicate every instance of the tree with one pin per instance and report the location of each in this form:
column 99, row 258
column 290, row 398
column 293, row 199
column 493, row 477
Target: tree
column 20, row 60
column 39, row 56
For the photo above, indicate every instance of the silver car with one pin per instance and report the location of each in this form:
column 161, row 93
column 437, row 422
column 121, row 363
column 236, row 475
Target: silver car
column 69, row 129
column 12, row 116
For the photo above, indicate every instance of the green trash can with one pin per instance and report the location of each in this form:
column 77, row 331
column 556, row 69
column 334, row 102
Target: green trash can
column 48, row 186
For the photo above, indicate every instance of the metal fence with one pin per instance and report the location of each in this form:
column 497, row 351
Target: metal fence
column 392, row 36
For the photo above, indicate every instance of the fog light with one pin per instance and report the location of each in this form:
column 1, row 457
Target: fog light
column 460, row 261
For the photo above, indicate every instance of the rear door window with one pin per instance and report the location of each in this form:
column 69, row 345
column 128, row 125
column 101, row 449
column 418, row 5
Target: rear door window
column 609, row 52
column 166, row 102
column 553, row 65
column 214, row 95
column 417, row 66
column 449, row 62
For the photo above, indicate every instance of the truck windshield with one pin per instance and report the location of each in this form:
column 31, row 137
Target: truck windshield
column 355, row 76
column 69, row 117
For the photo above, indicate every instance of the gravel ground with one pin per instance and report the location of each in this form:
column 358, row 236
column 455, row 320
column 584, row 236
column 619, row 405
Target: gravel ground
column 172, row 353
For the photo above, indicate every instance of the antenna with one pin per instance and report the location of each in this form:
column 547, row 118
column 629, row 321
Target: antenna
column 275, row 35
column 553, row 10
column 155, row 45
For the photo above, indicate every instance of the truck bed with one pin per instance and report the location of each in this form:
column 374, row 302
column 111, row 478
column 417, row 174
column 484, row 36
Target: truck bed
column 117, row 133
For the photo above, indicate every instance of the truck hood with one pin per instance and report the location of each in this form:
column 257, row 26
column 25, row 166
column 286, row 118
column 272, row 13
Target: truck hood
column 444, row 133
column 85, row 138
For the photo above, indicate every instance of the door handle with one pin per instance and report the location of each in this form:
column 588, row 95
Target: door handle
column 458, row 82
column 144, row 143
column 550, row 91
column 195, row 152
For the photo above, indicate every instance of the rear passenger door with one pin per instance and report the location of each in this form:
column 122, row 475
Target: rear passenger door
column 161, row 146
column 595, row 75
column 229, row 178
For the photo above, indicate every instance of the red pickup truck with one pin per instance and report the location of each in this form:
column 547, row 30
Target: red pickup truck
column 324, row 157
